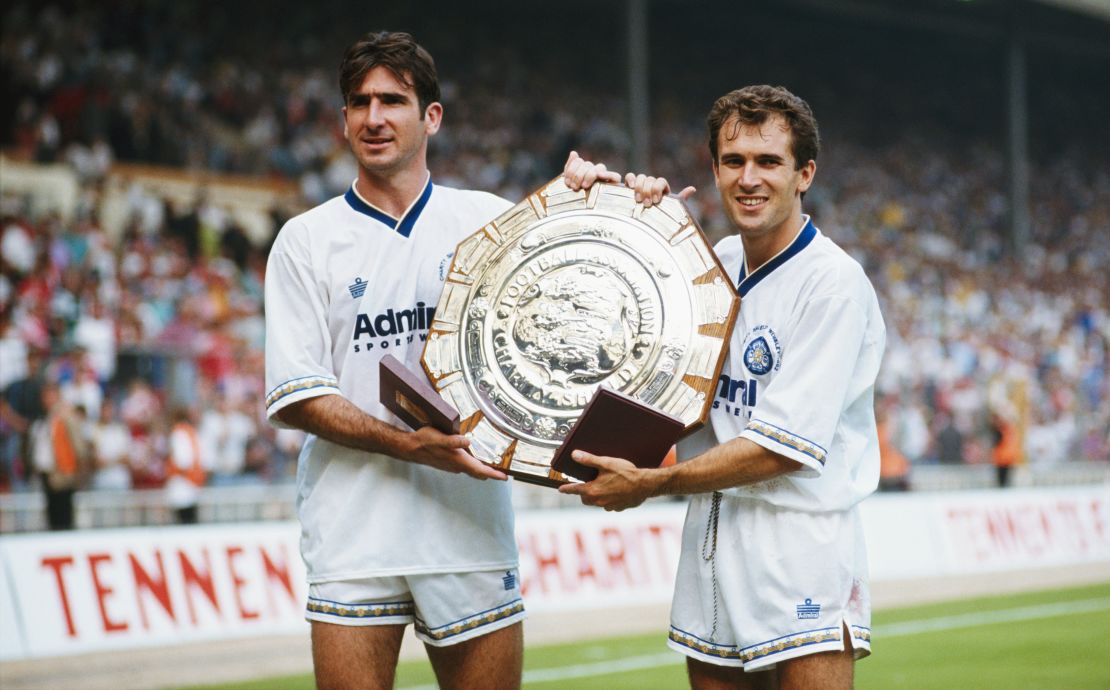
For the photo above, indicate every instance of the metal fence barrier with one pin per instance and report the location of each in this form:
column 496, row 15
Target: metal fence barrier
column 26, row 511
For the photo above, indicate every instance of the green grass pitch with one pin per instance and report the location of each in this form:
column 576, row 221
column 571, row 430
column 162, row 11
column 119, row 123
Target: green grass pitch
column 1048, row 639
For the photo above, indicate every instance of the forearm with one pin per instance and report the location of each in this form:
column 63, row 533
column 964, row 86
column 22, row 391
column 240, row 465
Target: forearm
column 736, row 463
column 336, row 419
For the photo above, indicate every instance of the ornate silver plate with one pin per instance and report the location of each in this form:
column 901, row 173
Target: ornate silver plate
column 568, row 291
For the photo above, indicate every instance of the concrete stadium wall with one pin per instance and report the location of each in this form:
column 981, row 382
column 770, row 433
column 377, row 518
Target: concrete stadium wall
column 87, row 591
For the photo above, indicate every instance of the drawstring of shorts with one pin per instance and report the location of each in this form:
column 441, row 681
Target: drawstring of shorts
column 709, row 554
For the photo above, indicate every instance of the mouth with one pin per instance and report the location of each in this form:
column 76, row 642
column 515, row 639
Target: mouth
column 376, row 142
column 752, row 202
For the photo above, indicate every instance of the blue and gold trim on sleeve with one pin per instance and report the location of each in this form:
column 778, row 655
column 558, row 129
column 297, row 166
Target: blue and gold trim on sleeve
column 297, row 385
column 465, row 625
column 391, row 609
column 785, row 438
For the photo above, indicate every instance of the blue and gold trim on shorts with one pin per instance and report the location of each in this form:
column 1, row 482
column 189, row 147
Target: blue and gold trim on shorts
column 788, row 643
column 470, row 623
column 297, row 385
column 697, row 644
column 798, row 443
column 389, row 609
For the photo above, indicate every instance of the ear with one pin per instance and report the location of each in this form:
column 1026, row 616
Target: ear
column 433, row 116
column 346, row 134
column 807, row 172
column 716, row 170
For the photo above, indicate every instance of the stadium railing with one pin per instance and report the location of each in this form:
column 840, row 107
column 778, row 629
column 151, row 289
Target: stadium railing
column 26, row 511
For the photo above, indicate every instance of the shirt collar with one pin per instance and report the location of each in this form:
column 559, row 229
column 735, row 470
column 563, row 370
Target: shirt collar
column 800, row 242
column 402, row 225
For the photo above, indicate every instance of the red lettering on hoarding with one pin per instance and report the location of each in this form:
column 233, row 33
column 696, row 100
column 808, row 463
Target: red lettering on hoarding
column 544, row 561
column 585, row 563
column 612, row 541
column 56, row 563
column 102, row 592
column 158, row 587
column 281, row 574
column 193, row 580
column 1096, row 519
column 237, row 582
column 1069, row 513
column 656, row 531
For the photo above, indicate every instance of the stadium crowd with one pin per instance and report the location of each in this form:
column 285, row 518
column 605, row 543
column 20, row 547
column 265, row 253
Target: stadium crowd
column 159, row 327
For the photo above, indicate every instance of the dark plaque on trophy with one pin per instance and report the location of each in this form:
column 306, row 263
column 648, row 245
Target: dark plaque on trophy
column 410, row 397
column 617, row 425
column 565, row 293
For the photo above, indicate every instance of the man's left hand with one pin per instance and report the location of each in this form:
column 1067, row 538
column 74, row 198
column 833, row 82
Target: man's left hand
column 619, row 484
column 579, row 173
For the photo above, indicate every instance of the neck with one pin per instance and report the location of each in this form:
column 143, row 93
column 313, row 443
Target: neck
column 392, row 192
column 761, row 249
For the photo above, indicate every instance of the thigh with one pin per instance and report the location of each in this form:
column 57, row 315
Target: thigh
column 493, row 661
column 705, row 676
column 347, row 657
column 825, row 671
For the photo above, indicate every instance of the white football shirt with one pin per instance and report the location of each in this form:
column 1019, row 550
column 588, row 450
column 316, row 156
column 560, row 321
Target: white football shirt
column 800, row 375
column 347, row 284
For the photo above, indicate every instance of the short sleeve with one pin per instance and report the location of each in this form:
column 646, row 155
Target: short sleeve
column 298, row 344
column 797, row 415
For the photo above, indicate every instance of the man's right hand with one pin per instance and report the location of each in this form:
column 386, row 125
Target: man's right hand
column 431, row 447
column 651, row 190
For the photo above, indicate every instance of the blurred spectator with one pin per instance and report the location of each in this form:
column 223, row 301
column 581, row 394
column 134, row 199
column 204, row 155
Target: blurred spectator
column 110, row 440
column 185, row 468
column 20, row 409
column 1005, row 447
column 949, row 441
column 61, row 456
column 226, row 431
column 894, row 468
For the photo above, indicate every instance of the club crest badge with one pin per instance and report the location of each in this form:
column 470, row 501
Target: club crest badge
column 757, row 357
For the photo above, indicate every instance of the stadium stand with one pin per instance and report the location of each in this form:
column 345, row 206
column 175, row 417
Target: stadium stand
column 144, row 180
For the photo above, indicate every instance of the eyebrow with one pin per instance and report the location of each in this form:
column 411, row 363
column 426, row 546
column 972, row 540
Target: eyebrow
column 366, row 96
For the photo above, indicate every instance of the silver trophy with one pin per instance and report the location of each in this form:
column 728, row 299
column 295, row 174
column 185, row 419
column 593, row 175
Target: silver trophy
column 568, row 291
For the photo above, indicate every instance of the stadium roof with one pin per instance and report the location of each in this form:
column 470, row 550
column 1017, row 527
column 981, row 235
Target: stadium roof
column 1095, row 8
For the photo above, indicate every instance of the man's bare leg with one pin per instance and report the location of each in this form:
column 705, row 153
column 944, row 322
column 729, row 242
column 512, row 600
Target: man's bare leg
column 492, row 662
column 349, row 657
column 824, row 671
column 706, row 676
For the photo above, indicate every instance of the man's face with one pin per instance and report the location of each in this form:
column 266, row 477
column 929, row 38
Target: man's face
column 382, row 122
column 756, row 176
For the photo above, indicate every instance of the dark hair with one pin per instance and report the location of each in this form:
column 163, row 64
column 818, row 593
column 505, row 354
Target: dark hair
column 397, row 52
column 754, row 105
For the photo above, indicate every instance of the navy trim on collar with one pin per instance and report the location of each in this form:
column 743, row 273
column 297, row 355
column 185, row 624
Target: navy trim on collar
column 747, row 282
column 403, row 225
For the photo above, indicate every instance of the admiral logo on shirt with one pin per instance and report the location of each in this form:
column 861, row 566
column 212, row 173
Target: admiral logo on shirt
column 357, row 288
column 389, row 328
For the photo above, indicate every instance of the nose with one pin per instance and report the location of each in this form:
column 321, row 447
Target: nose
column 749, row 178
column 375, row 114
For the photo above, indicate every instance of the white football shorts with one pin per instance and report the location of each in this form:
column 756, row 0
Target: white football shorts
column 445, row 608
column 759, row 584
